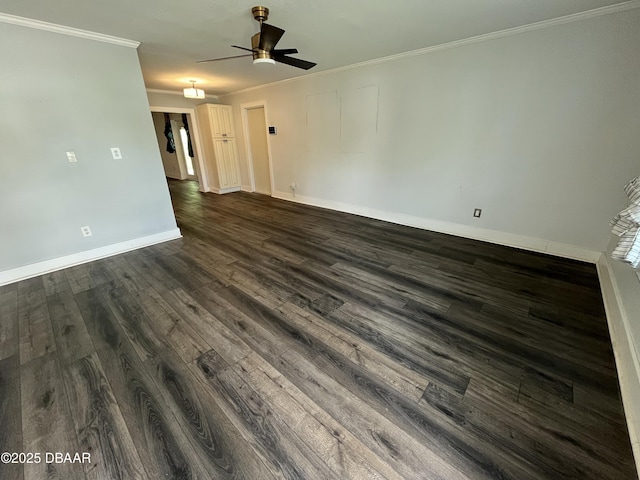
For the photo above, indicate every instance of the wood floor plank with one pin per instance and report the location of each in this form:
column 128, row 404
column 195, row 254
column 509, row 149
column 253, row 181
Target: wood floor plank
column 72, row 339
column 79, row 278
column 180, row 272
column 494, row 437
column 135, row 325
column 405, row 380
column 393, row 286
column 36, row 333
column 439, row 429
column 406, row 455
column 46, row 419
column 234, row 327
column 520, row 352
column 555, row 338
column 286, row 453
column 577, row 420
column 10, row 415
column 99, row 425
column 55, row 282
column 570, row 455
column 160, row 280
column 430, row 334
column 597, row 355
column 331, row 283
column 205, row 254
column 438, row 367
column 175, row 331
column 344, row 452
column 162, row 446
column 213, row 435
column 210, row 432
column 9, row 287
column 193, row 269
column 277, row 278
column 9, row 330
column 598, row 403
column 101, row 275
column 266, row 290
column 126, row 274
column 30, row 285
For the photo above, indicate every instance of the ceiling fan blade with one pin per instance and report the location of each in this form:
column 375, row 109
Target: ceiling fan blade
column 223, row 58
column 269, row 36
column 285, row 51
column 294, row 62
column 242, row 48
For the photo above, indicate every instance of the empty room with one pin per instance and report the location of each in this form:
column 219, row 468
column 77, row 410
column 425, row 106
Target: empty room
column 320, row 240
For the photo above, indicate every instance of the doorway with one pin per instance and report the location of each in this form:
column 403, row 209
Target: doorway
column 185, row 162
column 254, row 118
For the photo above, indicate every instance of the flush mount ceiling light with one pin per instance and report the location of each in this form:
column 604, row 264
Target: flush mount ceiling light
column 264, row 60
column 193, row 92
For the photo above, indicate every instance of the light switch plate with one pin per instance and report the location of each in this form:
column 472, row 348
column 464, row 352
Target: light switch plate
column 115, row 153
column 71, row 156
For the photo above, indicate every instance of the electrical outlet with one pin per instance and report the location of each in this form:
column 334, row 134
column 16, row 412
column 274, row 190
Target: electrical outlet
column 71, row 156
column 86, row 231
column 116, row 154
column 477, row 212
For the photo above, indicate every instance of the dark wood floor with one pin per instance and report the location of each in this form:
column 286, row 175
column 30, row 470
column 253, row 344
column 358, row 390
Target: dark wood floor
column 277, row 340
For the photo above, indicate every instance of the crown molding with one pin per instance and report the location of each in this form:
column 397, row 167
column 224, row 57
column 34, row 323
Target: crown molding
column 73, row 32
column 173, row 92
column 575, row 17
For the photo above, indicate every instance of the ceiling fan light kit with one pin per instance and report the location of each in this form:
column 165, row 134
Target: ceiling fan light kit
column 270, row 61
column 264, row 42
column 193, row 92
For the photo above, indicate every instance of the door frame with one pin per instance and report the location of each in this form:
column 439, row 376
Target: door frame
column 194, row 132
column 247, row 141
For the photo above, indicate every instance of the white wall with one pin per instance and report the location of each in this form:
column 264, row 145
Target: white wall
column 62, row 93
column 538, row 129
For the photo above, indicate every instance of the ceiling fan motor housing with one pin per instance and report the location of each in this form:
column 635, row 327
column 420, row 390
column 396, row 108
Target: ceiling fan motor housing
column 257, row 53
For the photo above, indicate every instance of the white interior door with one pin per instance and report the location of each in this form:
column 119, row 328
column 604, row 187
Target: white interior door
column 259, row 151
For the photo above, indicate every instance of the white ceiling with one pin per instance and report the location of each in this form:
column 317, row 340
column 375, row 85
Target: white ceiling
column 333, row 33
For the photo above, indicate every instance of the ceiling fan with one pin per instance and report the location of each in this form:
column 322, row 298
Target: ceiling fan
column 263, row 45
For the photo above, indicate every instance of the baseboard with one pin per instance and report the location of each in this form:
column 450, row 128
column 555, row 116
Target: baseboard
column 173, row 177
column 246, row 188
column 626, row 355
column 492, row 236
column 40, row 268
column 222, row 191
